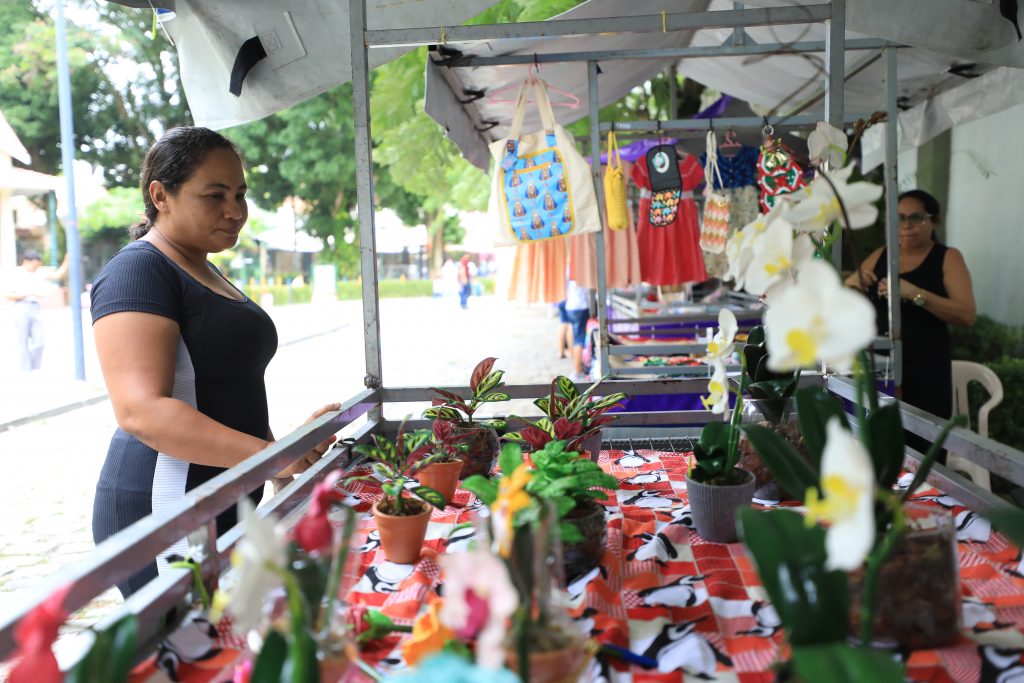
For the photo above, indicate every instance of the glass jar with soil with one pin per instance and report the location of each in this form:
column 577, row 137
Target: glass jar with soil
column 579, row 558
column 918, row 600
column 776, row 415
column 482, row 449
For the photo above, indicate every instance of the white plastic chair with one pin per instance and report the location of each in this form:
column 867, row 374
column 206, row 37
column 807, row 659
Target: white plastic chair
column 965, row 372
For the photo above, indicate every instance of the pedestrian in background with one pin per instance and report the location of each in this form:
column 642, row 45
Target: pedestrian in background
column 29, row 287
column 465, row 281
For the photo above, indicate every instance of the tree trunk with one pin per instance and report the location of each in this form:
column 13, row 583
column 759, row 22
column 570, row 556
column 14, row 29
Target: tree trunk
column 436, row 229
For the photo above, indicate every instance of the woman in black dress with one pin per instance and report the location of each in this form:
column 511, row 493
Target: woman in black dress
column 935, row 288
column 183, row 351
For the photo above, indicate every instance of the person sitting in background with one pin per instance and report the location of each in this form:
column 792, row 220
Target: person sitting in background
column 936, row 292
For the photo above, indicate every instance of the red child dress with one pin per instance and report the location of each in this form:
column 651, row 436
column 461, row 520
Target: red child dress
column 670, row 255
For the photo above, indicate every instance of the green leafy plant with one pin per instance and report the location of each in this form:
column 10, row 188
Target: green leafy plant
column 395, row 463
column 558, row 476
column 485, row 386
column 772, row 389
column 568, row 415
column 446, row 441
column 111, row 656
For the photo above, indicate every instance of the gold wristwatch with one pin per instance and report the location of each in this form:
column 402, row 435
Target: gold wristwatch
column 920, row 298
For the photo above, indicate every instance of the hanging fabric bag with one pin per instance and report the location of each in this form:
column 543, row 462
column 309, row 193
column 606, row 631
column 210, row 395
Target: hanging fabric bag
column 541, row 187
column 714, row 229
column 615, row 187
column 777, row 173
column 666, row 184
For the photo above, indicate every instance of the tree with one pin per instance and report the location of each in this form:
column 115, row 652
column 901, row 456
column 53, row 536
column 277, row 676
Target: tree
column 114, row 121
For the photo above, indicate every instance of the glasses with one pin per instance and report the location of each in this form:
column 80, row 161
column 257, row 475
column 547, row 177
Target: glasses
column 915, row 218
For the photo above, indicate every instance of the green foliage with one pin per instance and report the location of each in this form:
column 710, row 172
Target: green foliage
column 987, row 341
column 712, row 453
column 814, row 409
column 114, row 122
column 812, row 602
column 118, row 209
column 485, row 386
column 839, row 663
column 395, row 462
column 569, row 415
column 111, row 656
column 772, row 389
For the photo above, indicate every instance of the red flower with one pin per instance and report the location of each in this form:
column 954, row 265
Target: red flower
column 313, row 533
column 35, row 635
column 355, row 617
column 243, row 672
column 476, row 619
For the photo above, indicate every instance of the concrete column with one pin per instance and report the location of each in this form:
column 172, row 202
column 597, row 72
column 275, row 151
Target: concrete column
column 8, row 255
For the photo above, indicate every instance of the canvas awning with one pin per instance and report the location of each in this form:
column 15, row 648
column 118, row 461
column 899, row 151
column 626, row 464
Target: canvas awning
column 951, row 42
column 21, row 181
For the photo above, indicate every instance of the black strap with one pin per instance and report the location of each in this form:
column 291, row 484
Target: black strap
column 251, row 52
column 1009, row 9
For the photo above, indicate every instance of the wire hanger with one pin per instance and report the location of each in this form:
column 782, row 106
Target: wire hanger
column 571, row 102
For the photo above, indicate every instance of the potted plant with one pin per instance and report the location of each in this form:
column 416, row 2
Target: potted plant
column 582, row 418
column 716, row 487
column 442, row 474
column 401, row 518
column 480, row 439
column 572, row 484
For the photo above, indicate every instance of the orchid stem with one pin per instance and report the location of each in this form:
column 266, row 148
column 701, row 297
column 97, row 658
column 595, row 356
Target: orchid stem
column 325, row 623
column 874, row 564
column 197, row 580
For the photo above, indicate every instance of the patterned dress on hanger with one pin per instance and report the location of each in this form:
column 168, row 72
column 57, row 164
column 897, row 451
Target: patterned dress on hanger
column 671, row 255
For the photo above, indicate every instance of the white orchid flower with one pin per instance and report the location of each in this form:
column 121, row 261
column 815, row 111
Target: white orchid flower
column 817, row 207
column 827, row 144
column 848, row 505
column 722, row 344
column 776, row 256
column 718, row 389
column 479, row 600
column 741, row 247
column 817, row 319
column 257, row 559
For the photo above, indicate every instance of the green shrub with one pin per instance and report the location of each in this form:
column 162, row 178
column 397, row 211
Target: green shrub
column 350, row 290
column 987, row 341
column 283, row 294
column 1004, row 423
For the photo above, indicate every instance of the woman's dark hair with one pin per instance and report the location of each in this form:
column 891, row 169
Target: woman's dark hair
column 172, row 160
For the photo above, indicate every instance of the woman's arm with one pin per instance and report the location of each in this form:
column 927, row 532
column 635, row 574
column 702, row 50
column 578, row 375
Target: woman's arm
column 958, row 307
column 864, row 278
column 137, row 354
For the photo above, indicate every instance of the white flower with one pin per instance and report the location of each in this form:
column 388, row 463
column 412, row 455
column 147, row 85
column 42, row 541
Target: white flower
column 479, row 599
column 721, row 346
column 817, row 319
column 776, row 255
column 718, row 399
column 827, row 144
column 816, row 206
column 847, row 481
column 741, row 247
column 257, row 558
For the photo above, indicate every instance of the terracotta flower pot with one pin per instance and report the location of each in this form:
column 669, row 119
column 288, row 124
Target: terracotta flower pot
column 401, row 536
column 482, row 449
column 714, row 507
column 442, row 477
column 580, row 558
column 563, row 665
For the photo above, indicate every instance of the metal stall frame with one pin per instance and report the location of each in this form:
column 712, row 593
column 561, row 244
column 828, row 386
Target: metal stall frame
column 362, row 415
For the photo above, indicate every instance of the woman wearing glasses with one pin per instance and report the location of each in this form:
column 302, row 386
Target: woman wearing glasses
column 935, row 288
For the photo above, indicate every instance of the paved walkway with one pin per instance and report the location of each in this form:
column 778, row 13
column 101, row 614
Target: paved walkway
column 50, row 465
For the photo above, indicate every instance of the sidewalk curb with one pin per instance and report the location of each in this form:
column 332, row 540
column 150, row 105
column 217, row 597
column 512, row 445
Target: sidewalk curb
column 59, row 410
column 53, row 412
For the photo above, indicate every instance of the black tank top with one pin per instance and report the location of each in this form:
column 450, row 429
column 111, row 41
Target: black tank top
column 927, row 362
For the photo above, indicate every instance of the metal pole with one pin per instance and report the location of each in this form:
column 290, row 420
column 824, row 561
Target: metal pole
column 364, row 192
column 595, row 166
column 67, row 153
column 892, row 225
column 739, row 35
column 835, row 83
column 52, row 213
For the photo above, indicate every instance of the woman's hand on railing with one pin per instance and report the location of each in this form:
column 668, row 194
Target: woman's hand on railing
column 282, row 478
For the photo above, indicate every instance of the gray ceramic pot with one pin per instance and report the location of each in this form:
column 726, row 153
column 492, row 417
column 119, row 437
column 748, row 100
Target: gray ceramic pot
column 714, row 507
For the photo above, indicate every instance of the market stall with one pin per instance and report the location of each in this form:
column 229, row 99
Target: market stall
column 660, row 591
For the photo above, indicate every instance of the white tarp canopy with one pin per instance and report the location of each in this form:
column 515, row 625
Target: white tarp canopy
column 307, row 45
column 951, row 41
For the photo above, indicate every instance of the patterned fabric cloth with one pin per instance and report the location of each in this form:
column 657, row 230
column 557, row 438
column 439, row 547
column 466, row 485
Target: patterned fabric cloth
column 738, row 170
column 777, row 174
column 697, row 608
